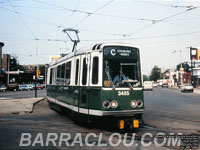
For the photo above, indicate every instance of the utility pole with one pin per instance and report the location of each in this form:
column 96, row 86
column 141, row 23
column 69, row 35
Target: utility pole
column 8, row 76
column 37, row 75
column 181, row 67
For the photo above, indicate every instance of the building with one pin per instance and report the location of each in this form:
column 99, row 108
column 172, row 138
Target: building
column 196, row 77
column 29, row 68
column 170, row 76
column 1, row 45
column 5, row 62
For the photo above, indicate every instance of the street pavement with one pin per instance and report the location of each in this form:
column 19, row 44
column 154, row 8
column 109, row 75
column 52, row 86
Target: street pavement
column 166, row 111
column 16, row 106
column 21, row 94
column 169, row 108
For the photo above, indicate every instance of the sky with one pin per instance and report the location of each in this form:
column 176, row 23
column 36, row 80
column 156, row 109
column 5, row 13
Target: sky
column 32, row 29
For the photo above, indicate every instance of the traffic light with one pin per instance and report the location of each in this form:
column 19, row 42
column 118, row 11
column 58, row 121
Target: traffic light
column 37, row 73
column 198, row 54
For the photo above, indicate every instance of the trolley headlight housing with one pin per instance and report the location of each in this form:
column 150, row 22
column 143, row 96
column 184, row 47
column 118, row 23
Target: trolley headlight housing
column 133, row 103
column 106, row 104
column 139, row 103
column 114, row 104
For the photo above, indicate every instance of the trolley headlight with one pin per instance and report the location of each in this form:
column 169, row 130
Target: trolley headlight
column 114, row 104
column 139, row 103
column 106, row 104
column 133, row 103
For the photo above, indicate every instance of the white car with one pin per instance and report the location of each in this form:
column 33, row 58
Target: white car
column 187, row 87
column 2, row 88
column 29, row 87
column 155, row 84
column 148, row 85
column 21, row 88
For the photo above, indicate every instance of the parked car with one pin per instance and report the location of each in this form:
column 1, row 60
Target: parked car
column 148, row 85
column 187, row 87
column 38, row 86
column 155, row 84
column 3, row 88
column 21, row 87
column 13, row 86
column 43, row 86
column 165, row 85
column 28, row 87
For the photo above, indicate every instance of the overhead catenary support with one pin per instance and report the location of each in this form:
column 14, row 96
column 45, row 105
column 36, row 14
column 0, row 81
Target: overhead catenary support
column 75, row 41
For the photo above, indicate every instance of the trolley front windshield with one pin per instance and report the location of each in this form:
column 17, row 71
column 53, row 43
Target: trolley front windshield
column 121, row 67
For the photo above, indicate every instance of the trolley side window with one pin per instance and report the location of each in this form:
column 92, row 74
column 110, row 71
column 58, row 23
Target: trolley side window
column 63, row 71
column 77, row 68
column 58, row 74
column 68, row 73
column 95, row 70
column 84, row 73
column 51, row 76
column 58, row 71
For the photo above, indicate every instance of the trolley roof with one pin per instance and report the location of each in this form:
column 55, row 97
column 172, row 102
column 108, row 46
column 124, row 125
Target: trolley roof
column 91, row 48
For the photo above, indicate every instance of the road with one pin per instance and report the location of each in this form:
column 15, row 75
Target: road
column 167, row 111
column 172, row 109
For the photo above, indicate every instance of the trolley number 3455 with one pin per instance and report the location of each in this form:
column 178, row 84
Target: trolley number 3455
column 123, row 93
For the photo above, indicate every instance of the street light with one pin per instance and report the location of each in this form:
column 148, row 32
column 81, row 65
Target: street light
column 181, row 68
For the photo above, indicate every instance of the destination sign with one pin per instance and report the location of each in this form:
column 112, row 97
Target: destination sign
column 118, row 51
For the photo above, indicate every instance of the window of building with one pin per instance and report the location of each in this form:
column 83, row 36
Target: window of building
column 84, row 73
column 77, row 69
column 95, row 70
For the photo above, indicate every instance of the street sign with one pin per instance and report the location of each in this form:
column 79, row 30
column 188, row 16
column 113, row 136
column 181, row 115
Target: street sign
column 193, row 53
column 41, row 78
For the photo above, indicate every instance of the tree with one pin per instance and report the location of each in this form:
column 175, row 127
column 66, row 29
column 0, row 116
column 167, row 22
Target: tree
column 145, row 78
column 17, row 67
column 155, row 73
column 185, row 66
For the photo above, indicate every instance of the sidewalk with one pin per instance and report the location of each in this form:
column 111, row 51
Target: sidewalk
column 16, row 106
column 196, row 90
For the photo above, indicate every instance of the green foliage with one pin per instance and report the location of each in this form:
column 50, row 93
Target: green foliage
column 17, row 67
column 155, row 73
column 185, row 66
column 145, row 78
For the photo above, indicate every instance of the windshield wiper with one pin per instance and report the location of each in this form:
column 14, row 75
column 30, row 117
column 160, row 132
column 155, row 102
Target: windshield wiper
column 129, row 84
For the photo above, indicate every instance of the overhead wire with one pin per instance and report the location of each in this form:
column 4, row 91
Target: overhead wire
column 87, row 13
column 142, row 37
column 101, row 7
column 146, row 37
column 161, row 20
column 125, row 35
column 59, row 26
column 72, row 13
column 160, row 4
column 30, row 17
column 25, row 24
column 67, row 19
